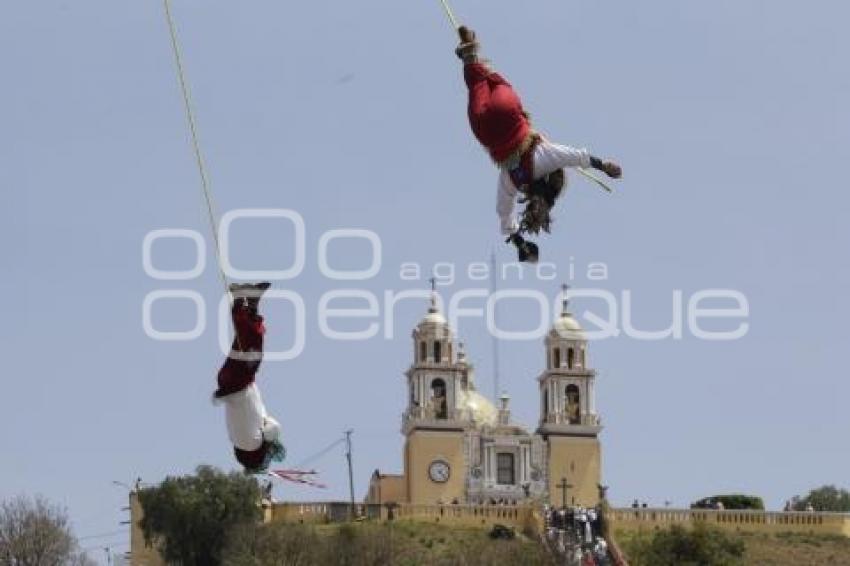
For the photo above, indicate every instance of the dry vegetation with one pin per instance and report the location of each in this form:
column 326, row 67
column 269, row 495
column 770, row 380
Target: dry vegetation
column 794, row 549
column 759, row 549
column 399, row 543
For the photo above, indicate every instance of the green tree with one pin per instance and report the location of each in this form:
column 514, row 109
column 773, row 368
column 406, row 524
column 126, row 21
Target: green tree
column 678, row 546
column 189, row 517
column 824, row 498
column 733, row 501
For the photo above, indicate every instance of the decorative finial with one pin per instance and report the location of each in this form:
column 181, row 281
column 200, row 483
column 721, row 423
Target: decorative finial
column 433, row 308
column 566, row 301
column 461, row 351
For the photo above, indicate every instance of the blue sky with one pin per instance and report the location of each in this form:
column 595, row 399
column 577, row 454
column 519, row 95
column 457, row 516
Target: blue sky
column 729, row 118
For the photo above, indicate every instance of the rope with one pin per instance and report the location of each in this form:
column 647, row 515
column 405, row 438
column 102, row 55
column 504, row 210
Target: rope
column 196, row 145
column 451, row 16
column 593, row 178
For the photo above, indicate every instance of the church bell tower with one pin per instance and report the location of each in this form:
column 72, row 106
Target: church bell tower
column 569, row 422
column 436, row 418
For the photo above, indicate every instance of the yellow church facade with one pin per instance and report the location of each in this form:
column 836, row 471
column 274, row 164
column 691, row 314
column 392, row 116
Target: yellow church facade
column 461, row 448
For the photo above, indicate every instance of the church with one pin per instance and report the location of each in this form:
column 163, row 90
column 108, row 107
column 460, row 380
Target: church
column 460, row 448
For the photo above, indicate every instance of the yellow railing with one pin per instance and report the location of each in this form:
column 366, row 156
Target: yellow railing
column 762, row 521
column 520, row 516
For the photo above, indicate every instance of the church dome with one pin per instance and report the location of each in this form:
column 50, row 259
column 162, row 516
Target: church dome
column 567, row 327
column 433, row 318
column 483, row 412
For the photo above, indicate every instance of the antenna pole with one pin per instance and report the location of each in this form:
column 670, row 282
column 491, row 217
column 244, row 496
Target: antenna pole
column 493, row 289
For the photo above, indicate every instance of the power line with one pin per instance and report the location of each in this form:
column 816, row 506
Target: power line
column 103, row 535
column 320, row 453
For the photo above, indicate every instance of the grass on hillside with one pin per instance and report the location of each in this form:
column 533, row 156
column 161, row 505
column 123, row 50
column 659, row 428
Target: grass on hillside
column 794, row 549
column 763, row 549
column 400, row 543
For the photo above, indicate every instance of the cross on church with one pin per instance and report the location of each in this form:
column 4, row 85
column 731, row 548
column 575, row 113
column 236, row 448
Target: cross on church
column 566, row 301
column 563, row 486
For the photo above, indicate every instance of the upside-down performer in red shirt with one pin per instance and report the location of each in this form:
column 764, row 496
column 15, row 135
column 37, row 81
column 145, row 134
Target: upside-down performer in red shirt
column 254, row 433
column 529, row 163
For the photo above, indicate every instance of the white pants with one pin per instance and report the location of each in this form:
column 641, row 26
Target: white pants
column 547, row 157
column 248, row 423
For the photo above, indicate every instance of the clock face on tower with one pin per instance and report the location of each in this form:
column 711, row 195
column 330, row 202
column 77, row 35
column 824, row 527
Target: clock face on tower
column 439, row 471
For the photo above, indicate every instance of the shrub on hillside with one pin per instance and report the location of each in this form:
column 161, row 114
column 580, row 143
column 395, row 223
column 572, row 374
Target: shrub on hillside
column 677, row 546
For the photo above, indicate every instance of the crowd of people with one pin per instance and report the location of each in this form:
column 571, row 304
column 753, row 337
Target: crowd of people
column 576, row 533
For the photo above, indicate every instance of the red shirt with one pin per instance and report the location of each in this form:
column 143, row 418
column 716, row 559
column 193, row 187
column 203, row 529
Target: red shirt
column 235, row 375
column 495, row 111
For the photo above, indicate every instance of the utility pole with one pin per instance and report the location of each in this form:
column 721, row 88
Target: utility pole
column 350, row 469
column 563, row 486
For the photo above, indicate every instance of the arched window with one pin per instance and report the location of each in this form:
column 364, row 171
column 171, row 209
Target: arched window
column 438, row 399
column 438, row 351
column 423, row 351
column 556, row 358
column 545, row 404
column 573, row 404
column 583, row 358
column 570, row 358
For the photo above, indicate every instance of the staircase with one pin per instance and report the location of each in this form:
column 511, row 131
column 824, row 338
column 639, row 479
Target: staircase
column 574, row 536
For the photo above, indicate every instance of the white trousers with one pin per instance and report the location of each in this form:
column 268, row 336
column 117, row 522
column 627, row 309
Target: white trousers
column 248, row 423
column 547, row 157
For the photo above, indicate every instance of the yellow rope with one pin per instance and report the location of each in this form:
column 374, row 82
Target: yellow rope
column 452, row 19
column 593, row 178
column 196, row 145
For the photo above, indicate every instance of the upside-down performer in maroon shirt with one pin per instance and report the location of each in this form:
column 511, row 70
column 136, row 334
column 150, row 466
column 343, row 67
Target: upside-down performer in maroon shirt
column 254, row 433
